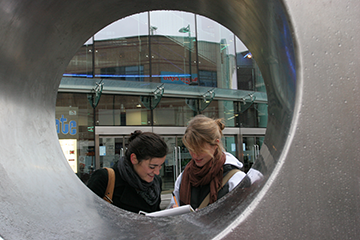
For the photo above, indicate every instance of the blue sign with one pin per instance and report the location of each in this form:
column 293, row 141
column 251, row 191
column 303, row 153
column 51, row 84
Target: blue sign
column 64, row 127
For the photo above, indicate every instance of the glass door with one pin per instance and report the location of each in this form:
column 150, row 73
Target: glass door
column 111, row 148
column 230, row 145
column 175, row 162
column 183, row 155
column 251, row 150
column 167, row 171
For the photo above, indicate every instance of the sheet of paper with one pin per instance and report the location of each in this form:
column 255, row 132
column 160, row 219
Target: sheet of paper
column 170, row 211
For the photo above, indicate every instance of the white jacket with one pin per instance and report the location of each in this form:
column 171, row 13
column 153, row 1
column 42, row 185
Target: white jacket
column 233, row 181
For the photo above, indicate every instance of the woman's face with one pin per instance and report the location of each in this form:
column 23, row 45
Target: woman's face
column 203, row 156
column 147, row 169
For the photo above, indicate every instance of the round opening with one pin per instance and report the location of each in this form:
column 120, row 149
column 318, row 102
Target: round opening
column 264, row 28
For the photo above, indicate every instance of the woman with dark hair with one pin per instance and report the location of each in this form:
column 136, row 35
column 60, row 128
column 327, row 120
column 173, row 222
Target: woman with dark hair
column 137, row 184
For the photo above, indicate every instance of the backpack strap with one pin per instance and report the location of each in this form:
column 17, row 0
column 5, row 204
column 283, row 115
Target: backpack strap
column 206, row 200
column 111, row 185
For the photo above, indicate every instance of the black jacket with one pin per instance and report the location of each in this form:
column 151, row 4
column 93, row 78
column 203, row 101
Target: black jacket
column 124, row 196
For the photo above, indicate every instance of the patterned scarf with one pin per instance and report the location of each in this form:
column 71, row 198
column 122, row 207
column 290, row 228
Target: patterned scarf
column 194, row 176
column 149, row 191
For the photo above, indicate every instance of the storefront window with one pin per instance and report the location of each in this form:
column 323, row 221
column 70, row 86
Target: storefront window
column 230, row 144
column 212, row 110
column 250, row 115
column 119, row 110
column 262, row 112
column 228, row 113
column 74, row 121
column 172, row 112
column 251, row 150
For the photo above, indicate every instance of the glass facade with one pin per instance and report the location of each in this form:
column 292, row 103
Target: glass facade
column 74, row 121
column 216, row 54
column 157, row 69
column 122, row 50
column 81, row 65
column 173, row 47
column 118, row 110
column 172, row 112
column 251, row 150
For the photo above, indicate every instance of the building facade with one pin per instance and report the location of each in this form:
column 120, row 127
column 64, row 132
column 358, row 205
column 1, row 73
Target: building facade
column 154, row 71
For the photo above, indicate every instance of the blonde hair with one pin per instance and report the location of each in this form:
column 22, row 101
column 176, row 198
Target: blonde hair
column 202, row 130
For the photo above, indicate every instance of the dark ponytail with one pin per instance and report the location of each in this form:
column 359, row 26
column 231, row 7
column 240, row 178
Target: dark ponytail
column 146, row 145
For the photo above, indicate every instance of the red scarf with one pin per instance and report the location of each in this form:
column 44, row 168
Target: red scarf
column 194, row 176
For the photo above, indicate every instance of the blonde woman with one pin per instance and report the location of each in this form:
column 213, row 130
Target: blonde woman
column 210, row 163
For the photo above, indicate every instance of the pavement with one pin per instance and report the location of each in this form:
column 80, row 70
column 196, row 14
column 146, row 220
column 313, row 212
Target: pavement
column 165, row 200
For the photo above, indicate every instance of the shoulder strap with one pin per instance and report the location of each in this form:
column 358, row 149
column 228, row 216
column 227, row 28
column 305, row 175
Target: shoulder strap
column 206, row 200
column 111, row 185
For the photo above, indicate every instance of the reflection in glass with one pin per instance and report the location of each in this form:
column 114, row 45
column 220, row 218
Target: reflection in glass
column 262, row 113
column 167, row 171
column 221, row 109
column 117, row 110
column 173, row 47
column 172, row 112
column 251, row 150
column 122, row 50
column 212, row 111
column 81, row 65
column 75, row 107
column 112, row 149
column 248, row 73
column 216, row 55
column 254, row 115
column 245, row 117
column 230, row 145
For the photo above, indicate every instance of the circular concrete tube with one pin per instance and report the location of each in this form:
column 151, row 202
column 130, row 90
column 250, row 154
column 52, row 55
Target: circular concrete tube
column 308, row 54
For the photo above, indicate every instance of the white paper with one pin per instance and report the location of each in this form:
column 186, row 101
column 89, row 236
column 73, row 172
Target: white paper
column 170, row 212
